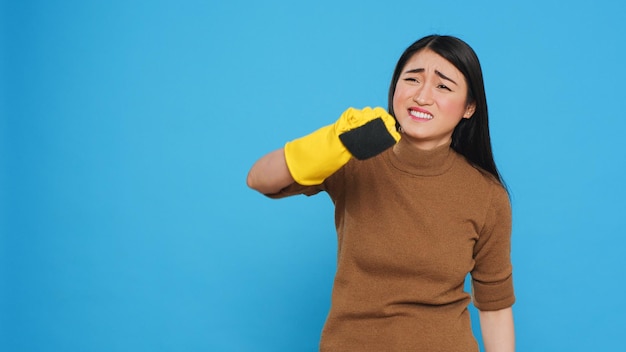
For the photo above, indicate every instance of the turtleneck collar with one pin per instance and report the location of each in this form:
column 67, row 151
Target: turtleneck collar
column 408, row 158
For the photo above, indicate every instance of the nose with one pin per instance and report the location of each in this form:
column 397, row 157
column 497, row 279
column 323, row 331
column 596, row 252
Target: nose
column 423, row 96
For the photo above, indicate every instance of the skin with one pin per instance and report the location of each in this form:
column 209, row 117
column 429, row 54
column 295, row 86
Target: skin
column 270, row 173
column 498, row 330
column 430, row 100
column 432, row 86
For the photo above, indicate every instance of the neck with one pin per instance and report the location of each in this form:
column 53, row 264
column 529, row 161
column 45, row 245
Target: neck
column 425, row 145
column 426, row 162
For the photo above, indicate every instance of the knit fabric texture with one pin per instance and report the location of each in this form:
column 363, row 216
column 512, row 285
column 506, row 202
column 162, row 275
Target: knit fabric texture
column 411, row 224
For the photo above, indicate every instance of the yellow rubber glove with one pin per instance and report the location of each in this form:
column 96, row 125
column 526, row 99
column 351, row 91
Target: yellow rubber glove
column 359, row 133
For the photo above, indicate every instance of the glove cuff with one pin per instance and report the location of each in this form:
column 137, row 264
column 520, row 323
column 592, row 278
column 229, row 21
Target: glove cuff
column 312, row 158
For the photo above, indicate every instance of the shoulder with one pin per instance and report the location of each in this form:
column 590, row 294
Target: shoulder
column 478, row 175
column 358, row 175
column 481, row 184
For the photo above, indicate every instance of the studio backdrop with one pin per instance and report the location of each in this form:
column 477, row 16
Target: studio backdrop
column 127, row 129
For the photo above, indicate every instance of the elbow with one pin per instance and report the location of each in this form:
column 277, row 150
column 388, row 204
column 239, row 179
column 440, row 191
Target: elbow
column 251, row 181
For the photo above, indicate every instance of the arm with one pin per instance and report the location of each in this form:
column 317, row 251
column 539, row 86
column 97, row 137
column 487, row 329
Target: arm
column 270, row 173
column 309, row 160
column 492, row 278
column 497, row 330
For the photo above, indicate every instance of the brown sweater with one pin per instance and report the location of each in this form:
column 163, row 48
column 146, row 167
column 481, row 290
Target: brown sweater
column 411, row 225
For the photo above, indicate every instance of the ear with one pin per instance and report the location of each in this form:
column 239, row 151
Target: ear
column 469, row 112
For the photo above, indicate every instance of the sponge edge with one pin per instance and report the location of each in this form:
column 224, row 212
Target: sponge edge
column 368, row 140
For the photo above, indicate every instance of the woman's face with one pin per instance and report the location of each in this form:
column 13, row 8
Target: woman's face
column 430, row 100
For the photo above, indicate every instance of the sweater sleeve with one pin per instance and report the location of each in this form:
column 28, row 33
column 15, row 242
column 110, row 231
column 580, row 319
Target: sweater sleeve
column 295, row 189
column 492, row 279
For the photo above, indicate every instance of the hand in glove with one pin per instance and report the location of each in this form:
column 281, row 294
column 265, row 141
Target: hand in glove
column 359, row 133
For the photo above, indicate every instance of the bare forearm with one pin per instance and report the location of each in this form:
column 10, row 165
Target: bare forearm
column 270, row 174
column 498, row 330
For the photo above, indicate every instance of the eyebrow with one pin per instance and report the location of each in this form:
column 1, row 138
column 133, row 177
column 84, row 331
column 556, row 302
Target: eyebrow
column 420, row 70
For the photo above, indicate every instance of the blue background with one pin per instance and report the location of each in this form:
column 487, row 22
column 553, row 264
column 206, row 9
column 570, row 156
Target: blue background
column 127, row 128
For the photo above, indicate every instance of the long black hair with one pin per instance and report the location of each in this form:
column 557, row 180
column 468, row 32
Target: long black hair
column 470, row 137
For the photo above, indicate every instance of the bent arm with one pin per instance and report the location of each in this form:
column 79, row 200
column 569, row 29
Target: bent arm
column 498, row 330
column 270, row 174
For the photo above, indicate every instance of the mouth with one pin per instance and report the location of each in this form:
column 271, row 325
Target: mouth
column 420, row 115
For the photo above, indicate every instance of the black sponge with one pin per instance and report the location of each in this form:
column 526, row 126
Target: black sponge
column 368, row 140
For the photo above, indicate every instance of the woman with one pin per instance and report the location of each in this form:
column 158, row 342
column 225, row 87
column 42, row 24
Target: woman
column 419, row 204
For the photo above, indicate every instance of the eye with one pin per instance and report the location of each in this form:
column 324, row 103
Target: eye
column 411, row 79
column 443, row 86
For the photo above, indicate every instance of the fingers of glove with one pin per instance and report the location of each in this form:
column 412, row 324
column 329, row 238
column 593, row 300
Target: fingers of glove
column 390, row 122
column 353, row 118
